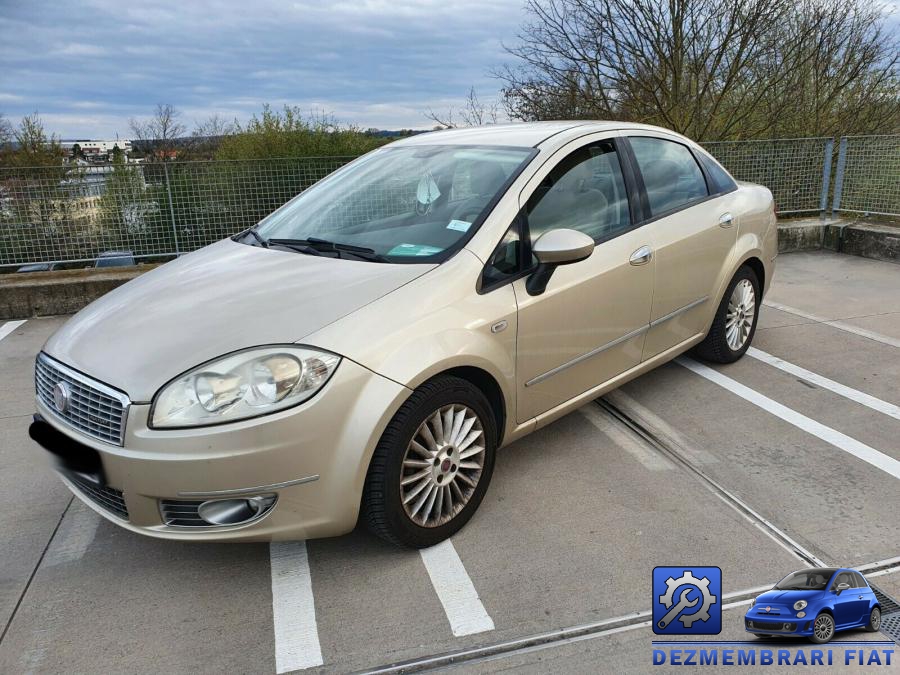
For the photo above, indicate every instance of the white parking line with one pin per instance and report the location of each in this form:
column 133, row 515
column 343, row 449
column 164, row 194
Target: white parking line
column 293, row 608
column 9, row 327
column 850, row 328
column 841, row 441
column 454, row 589
column 838, row 388
column 624, row 439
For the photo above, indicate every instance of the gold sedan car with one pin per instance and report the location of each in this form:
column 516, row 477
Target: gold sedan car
column 362, row 353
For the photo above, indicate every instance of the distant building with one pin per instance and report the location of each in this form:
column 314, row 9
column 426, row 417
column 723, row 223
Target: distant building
column 97, row 151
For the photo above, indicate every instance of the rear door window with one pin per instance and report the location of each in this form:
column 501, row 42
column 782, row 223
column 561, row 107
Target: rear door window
column 671, row 175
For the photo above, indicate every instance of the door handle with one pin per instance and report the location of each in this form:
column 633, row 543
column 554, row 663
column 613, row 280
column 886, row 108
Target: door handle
column 642, row 256
column 726, row 220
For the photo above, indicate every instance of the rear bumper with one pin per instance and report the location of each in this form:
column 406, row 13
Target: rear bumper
column 313, row 457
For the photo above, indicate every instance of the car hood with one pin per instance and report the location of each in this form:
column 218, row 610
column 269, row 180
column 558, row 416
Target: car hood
column 776, row 597
column 220, row 299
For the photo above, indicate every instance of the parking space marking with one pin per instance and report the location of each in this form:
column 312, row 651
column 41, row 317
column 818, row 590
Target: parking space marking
column 455, row 590
column 838, row 388
column 832, row 436
column 293, row 608
column 834, row 323
column 649, row 458
column 9, row 327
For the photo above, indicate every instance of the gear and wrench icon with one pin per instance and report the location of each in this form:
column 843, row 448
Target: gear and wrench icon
column 701, row 584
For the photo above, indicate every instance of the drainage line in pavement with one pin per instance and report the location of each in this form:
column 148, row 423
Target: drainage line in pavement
column 547, row 640
column 723, row 493
column 34, row 571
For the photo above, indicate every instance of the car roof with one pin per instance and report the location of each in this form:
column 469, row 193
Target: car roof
column 519, row 134
column 821, row 570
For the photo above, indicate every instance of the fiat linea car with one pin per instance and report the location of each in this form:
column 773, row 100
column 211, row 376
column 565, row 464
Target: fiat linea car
column 815, row 603
column 362, row 352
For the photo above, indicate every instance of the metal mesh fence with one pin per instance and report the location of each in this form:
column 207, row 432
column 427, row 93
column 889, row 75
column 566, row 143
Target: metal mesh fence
column 791, row 168
column 868, row 175
column 73, row 214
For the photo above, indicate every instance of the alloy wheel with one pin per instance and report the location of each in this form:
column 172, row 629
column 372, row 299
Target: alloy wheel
column 875, row 619
column 442, row 465
column 824, row 627
column 741, row 310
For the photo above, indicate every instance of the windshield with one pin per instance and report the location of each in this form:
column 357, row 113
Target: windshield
column 405, row 204
column 806, row 580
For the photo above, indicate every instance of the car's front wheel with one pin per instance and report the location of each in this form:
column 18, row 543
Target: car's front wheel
column 432, row 465
column 734, row 324
column 874, row 620
column 823, row 628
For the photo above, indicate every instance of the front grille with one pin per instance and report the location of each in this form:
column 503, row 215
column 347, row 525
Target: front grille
column 92, row 407
column 765, row 625
column 181, row 513
column 108, row 498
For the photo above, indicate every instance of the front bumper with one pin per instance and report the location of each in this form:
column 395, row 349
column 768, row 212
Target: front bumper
column 314, row 457
column 778, row 624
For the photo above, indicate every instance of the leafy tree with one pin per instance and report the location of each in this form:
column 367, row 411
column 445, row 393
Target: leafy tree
column 288, row 133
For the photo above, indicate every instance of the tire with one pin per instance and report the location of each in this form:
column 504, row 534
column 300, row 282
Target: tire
column 874, row 620
column 389, row 496
column 717, row 346
column 825, row 635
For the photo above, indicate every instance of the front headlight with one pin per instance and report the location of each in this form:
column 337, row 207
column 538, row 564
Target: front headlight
column 752, row 602
column 800, row 604
column 246, row 384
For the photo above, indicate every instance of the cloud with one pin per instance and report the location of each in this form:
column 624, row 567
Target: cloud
column 369, row 62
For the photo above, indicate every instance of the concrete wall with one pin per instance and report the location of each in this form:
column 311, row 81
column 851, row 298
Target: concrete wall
column 65, row 292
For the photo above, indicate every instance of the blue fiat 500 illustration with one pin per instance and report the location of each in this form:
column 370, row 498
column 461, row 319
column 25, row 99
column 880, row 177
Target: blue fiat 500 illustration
column 815, row 603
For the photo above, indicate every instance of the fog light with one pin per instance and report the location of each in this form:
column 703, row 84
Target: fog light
column 234, row 511
column 800, row 615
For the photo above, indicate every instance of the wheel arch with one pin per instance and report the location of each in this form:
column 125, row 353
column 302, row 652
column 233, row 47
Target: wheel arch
column 488, row 385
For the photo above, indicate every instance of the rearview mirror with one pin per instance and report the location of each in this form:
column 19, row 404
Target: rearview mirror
column 555, row 248
column 842, row 587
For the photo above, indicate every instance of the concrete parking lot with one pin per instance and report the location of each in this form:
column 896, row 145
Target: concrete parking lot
column 787, row 459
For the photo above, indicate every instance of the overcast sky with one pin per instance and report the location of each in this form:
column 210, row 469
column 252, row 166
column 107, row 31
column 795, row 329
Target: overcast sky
column 87, row 66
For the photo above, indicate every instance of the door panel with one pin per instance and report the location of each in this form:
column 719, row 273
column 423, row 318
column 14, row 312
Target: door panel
column 585, row 310
column 693, row 236
column 691, row 250
column 589, row 324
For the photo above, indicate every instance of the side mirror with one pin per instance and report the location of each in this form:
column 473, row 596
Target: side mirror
column 842, row 587
column 555, row 248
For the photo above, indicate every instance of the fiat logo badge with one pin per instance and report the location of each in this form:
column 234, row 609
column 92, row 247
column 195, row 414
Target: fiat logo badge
column 61, row 396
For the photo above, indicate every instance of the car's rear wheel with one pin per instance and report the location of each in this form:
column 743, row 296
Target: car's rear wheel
column 874, row 620
column 823, row 628
column 734, row 324
column 432, row 465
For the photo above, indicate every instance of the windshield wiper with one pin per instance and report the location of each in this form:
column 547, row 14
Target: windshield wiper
column 324, row 246
column 262, row 242
column 299, row 245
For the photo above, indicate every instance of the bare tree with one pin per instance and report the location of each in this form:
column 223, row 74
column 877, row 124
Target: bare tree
column 706, row 68
column 214, row 126
column 474, row 113
column 160, row 131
